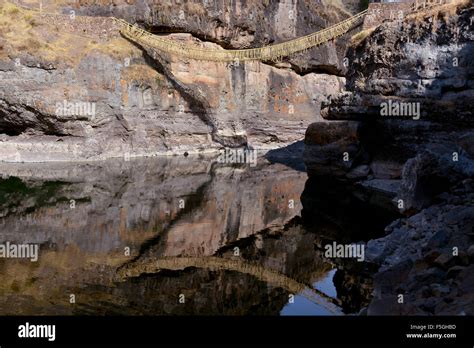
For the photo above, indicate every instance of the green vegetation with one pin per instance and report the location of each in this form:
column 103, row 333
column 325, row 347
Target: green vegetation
column 364, row 4
column 13, row 191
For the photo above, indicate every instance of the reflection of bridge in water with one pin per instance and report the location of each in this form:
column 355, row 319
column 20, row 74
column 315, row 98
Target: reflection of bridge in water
column 213, row 263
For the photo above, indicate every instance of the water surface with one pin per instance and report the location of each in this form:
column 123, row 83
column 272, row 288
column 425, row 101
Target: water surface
column 167, row 236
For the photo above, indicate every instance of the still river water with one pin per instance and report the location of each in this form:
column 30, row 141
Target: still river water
column 176, row 236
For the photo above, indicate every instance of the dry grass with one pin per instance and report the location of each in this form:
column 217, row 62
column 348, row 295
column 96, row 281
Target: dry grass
column 142, row 74
column 339, row 5
column 26, row 31
column 195, row 8
column 360, row 82
column 444, row 11
column 16, row 27
column 30, row 44
column 117, row 48
column 358, row 38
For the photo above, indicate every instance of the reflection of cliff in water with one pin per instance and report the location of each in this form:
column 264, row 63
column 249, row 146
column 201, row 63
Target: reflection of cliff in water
column 227, row 238
column 86, row 216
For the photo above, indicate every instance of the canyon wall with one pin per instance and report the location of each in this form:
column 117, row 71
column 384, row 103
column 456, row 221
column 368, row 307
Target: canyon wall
column 54, row 69
column 404, row 131
column 424, row 62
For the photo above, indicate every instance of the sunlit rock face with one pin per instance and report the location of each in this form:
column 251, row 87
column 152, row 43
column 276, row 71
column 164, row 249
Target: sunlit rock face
column 424, row 58
column 265, row 104
column 410, row 84
column 83, row 92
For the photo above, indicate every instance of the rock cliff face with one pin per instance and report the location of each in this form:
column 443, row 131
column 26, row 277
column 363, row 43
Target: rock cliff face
column 420, row 158
column 425, row 58
column 71, row 88
column 423, row 64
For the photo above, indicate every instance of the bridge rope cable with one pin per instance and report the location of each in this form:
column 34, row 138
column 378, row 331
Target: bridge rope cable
column 275, row 278
column 266, row 53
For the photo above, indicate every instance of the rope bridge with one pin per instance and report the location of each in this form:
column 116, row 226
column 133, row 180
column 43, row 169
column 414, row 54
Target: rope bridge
column 266, row 53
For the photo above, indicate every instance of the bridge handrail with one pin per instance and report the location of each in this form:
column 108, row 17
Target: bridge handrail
column 263, row 53
column 269, row 52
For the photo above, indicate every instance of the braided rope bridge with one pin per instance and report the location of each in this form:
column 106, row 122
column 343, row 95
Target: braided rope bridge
column 266, row 53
